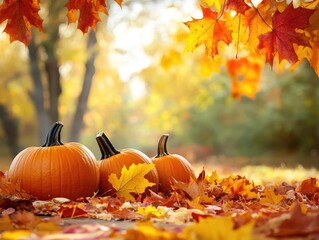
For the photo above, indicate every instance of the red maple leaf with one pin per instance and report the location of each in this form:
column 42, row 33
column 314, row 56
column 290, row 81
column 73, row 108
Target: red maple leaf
column 89, row 13
column 21, row 16
column 71, row 211
column 283, row 35
column 308, row 187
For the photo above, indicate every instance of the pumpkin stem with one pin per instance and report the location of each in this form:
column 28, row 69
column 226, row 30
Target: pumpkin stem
column 54, row 135
column 105, row 145
column 161, row 149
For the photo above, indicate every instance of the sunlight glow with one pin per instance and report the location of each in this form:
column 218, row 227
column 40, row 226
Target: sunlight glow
column 133, row 37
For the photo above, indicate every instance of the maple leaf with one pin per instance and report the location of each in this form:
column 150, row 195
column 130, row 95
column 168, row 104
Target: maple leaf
column 209, row 31
column 72, row 211
column 132, row 180
column 21, row 16
column 219, row 228
column 89, row 12
column 308, row 187
column 239, row 186
column 245, row 75
column 283, row 34
column 12, row 191
column 195, row 188
column 258, row 25
column 270, row 197
column 150, row 212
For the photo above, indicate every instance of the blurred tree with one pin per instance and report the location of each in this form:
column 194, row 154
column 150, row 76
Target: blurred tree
column 45, row 72
column 11, row 130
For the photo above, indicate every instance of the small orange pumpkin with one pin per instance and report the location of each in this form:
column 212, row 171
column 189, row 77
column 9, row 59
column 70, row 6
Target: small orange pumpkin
column 113, row 160
column 55, row 169
column 170, row 166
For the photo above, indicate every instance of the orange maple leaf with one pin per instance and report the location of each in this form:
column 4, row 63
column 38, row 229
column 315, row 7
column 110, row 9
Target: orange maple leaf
column 239, row 6
column 245, row 76
column 21, row 16
column 308, row 186
column 208, row 31
column 239, row 187
column 283, row 34
column 89, row 13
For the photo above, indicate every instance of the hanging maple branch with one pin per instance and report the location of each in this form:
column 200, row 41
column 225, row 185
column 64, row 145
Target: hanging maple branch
column 23, row 14
column 274, row 30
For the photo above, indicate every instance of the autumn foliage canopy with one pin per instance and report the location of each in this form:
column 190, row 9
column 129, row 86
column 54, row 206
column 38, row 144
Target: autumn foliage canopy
column 275, row 32
column 267, row 31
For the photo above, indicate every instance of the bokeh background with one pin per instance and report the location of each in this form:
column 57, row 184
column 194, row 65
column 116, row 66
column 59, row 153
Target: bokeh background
column 144, row 85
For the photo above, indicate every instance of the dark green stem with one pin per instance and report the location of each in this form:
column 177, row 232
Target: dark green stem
column 105, row 145
column 54, row 135
column 161, row 149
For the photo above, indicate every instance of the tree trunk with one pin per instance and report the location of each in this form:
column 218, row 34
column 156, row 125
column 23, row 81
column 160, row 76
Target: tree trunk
column 82, row 102
column 52, row 72
column 10, row 125
column 37, row 95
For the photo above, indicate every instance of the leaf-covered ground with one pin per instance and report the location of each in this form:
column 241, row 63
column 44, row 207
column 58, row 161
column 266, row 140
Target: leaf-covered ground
column 222, row 203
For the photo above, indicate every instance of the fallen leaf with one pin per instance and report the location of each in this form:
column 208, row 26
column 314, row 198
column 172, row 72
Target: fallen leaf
column 270, row 197
column 219, row 228
column 239, row 187
column 308, row 187
column 71, row 211
column 151, row 212
column 147, row 230
column 299, row 224
column 16, row 234
column 132, row 180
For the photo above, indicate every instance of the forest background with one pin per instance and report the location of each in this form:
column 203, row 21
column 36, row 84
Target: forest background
column 132, row 80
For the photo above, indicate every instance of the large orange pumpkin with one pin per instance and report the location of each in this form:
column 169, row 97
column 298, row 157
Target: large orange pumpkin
column 170, row 167
column 55, row 169
column 113, row 160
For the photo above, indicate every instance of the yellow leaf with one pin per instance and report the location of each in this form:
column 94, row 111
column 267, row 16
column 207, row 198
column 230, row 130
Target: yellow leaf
column 48, row 227
column 17, row 234
column 217, row 229
column 132, row 180
column 209, row 31
column 271, row 198
column 147, row 230
column 5, row 223
column 213, row 179
column 150, row 212
column 170, row 59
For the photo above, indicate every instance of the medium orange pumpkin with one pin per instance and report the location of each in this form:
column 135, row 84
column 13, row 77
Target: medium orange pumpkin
column 55, row 169
column 170, row 167
column 113, row 160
